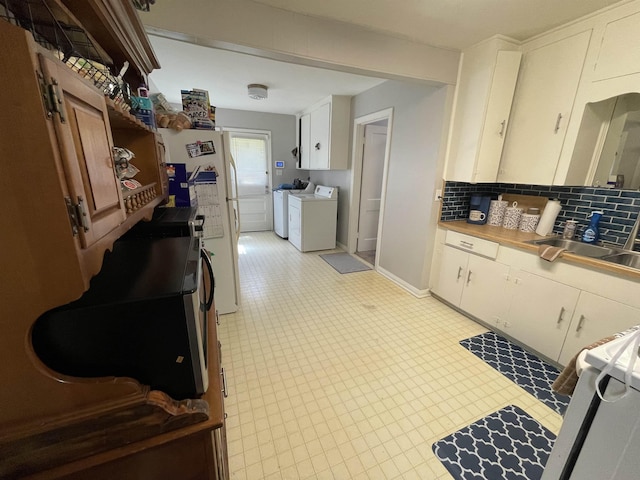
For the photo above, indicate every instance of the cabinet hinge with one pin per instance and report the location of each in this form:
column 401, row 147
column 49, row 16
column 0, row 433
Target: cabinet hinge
column 77, row 215
column 44, row 94
column 73, row 217
column 55, row 99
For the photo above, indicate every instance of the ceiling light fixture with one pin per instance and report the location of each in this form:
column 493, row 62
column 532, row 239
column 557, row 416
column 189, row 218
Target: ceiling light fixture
column 257, row 91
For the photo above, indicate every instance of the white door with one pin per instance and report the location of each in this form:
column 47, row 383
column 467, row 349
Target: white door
column 252, row 153
column 543, row 102
column 484, row 292
column 595, row 317
column 319, row 137
column 375, row 142
column 295, row 223
column 453, row 275
column 540, row 312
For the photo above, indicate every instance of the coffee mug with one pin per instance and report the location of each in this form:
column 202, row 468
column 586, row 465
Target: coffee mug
column 477, row 215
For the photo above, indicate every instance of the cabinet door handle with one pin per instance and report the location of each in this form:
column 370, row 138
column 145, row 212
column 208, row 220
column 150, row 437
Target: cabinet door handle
column 580, row 323
column 468, row 277
column 466, row 244
column 561, row 316
column 217, row 318
column 558, row 123
column 225, row 393
column 459, row 273
column 503, row 124
column 317, row 146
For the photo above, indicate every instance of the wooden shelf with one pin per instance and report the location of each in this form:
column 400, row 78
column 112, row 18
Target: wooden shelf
column 119, row 117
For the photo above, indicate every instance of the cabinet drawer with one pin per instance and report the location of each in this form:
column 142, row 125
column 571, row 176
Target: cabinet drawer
column 475, row 245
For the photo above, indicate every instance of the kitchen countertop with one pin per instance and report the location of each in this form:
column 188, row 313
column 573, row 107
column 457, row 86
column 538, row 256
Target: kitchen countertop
column 518, row 239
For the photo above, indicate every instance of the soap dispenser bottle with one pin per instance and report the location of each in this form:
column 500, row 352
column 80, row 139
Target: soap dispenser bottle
column 591, row 233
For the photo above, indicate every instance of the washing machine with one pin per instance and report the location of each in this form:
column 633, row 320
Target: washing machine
column 313, row 219
column 281, row 211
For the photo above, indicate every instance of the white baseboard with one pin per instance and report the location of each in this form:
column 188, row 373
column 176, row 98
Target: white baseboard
column 401, row 283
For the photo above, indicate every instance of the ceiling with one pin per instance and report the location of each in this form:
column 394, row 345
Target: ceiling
column 225, row 75
column 452, row 24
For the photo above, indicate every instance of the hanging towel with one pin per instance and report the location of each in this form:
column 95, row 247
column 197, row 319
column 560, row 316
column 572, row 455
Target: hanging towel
column 549, row 253
column 566, row 381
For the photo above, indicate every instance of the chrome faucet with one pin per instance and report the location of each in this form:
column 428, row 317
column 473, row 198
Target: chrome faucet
column 633, row 236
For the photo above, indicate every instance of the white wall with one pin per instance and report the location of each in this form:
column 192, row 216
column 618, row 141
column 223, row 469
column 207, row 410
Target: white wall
column 283, row 138
column 418, row 139
column 251, row 27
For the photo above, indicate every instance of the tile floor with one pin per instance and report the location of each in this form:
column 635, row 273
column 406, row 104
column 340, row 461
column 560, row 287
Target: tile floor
column 347, row 376
column 369, row 256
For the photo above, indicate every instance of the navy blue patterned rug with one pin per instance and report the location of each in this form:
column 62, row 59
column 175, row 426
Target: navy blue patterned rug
column 508, row 444
column 523, row 368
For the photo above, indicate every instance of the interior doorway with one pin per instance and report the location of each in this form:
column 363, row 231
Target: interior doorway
column 251, row 151
column 371, row 153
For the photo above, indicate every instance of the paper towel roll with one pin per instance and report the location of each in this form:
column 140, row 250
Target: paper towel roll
column 548, row 218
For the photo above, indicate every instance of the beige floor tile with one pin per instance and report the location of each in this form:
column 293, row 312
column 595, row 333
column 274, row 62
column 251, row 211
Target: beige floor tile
column 347, row 376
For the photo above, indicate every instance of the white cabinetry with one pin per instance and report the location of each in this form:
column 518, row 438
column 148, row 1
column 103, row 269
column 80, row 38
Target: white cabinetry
column 305, row 141
column 486, row 83
column 543, row 102
column 554, row 308
column 324, row 134
column 596, row 317
column 619, row 52
column 471, row 282
column 540, row 312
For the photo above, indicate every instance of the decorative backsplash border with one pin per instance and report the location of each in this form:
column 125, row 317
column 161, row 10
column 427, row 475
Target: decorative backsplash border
column 620, row 207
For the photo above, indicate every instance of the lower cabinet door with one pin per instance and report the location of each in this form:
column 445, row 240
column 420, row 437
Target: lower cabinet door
column 540, row 312
column 484, row 294
column 453, row 271
column 596, row 317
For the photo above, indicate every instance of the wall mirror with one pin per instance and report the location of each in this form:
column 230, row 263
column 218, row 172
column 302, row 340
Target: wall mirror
column 619, row 159
column 607, row 151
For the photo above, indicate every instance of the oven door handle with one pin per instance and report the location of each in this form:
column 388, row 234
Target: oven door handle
column 198, row 223
column 212, row 281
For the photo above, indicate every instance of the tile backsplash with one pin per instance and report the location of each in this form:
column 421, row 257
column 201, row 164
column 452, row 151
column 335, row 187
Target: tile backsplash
column 620, row 207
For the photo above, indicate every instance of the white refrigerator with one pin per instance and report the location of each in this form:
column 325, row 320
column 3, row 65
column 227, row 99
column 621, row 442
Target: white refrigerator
column 217, row 201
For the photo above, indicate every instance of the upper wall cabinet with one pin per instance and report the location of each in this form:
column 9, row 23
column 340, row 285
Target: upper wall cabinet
column 620, row 49
column 486, row 83
column 324, row 135
column 543, row 102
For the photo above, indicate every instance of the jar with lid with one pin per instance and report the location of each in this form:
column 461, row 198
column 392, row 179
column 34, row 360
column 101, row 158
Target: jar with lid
column 569, row 229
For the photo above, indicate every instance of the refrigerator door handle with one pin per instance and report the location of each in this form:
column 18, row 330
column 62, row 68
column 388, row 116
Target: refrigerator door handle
column 236, row 214
column 234, row 198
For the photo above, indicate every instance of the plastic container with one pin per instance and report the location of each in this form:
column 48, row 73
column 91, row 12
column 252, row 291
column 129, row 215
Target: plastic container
column 569, row 229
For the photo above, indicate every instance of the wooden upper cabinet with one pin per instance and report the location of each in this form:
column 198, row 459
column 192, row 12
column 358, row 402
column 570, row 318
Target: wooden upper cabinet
column 84, row 137
column 115, row 25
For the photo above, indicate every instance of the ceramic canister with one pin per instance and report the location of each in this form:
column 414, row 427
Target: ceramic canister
column 497, row 209
column 529, row 222
column 512, row 217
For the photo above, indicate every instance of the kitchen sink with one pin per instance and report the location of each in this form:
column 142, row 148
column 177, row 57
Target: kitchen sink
column 579, row 248
column 627, row 259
